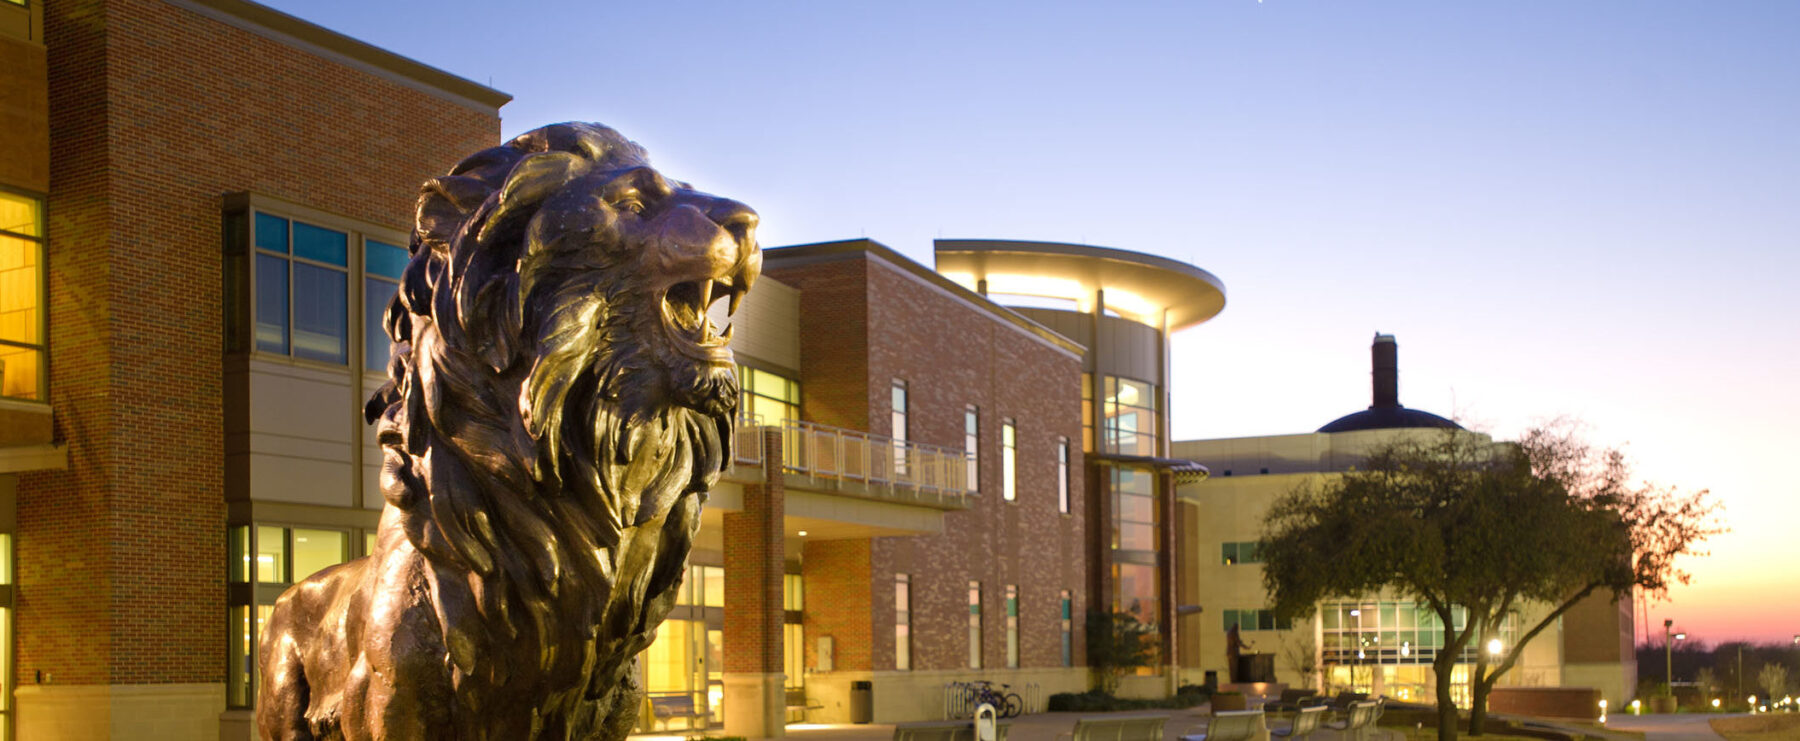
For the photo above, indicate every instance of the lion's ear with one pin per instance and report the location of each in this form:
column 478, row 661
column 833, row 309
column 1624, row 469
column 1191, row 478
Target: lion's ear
column 444, row 205
column 534, row 179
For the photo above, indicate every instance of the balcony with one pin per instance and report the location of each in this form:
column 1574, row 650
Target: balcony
column 858, row 464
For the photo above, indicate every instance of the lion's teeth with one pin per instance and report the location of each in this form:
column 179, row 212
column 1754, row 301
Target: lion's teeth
column 706, row 294
column 737, row 297
column 726, row 335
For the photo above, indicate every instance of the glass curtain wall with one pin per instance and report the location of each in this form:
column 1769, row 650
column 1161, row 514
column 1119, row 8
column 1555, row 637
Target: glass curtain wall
column 22, row 347
column 687, row 657
column 264, row 560
column 1135, row 546
column 1395, row 642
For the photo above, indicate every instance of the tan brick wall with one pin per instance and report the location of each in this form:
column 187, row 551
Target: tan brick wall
column 155, row 112
column 951, row 353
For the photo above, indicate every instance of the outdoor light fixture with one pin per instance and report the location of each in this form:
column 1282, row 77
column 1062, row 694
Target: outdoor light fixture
column 1715, row 703
column 1494, row 646
column 1636, row 707
column 1358, row 613
column 1406, row 650
column 802, row 533
column 1680, row 636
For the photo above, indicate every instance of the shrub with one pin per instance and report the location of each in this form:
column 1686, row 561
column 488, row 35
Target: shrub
column 1094, row 701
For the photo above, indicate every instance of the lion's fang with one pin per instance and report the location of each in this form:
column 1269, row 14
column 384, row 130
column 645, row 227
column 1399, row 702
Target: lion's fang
column 737, row 297
column 706, row 296
column 726, row 335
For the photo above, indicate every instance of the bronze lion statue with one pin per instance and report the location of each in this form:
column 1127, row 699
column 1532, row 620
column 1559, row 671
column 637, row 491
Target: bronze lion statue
column 558, row 406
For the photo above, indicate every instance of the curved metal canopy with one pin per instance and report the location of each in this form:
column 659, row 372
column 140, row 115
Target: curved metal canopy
column 1148, row 288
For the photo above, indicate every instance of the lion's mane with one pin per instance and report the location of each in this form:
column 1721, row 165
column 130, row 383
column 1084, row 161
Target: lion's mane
column 545, row 456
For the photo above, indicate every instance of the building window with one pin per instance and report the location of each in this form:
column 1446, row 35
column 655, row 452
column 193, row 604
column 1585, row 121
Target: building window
column 1062, row 475
column 23, row 373
column 301, row 273
column 1068, row 629
column 382, row 265
column 263, row 561
column 1249, row 620
column 293, row 280
column 793, row 629
column 1087, row 412
column 1241, row 553
column 1012, row 626
column 902, row 622
column 972, row 446
column 1136, row 592
column 974, row 625
column 1134, row 510
column 1129, row 417
column 898, row 398
column 768, row 398
column 1009, row 460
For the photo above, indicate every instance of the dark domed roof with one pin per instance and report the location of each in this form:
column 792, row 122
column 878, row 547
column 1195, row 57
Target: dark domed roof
column 1386, row 413
column 1387, row 418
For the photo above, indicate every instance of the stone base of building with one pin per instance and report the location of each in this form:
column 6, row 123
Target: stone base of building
column 755, row 705
column 901, row 697
column 80, row 712
column 1616, row 681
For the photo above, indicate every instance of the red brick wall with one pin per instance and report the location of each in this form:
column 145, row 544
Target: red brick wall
column 951, row 354
column 1546, row 702
column 754, row 553
column 839, row 589
column 155, row 112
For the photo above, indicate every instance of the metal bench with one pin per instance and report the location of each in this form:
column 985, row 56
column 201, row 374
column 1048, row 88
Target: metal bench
column 796, row 701
column 665, row 708
column 1306, row 720
column 1118, row 727
column 1359, row 721
column 943, row 730
column 1231, row 725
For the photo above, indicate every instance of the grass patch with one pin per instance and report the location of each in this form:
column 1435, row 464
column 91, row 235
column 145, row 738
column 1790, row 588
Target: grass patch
column 1784, row 727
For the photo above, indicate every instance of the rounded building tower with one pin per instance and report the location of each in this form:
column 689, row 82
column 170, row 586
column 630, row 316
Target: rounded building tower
column 1125, row 306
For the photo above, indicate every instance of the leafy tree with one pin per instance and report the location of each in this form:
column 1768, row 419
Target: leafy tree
column 1116, row 645
column 1454, row 520
column 1773, row 678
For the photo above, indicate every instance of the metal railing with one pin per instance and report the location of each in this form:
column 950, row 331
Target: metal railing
column 895, row 468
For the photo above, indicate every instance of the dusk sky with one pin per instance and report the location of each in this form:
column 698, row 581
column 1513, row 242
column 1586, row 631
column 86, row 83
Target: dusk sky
column 1578, row 208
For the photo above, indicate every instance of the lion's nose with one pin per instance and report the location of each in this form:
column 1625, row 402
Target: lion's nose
column 737, row 219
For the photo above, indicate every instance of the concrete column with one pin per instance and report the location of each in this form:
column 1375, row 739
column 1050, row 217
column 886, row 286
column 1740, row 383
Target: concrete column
column 1165, row 576
column 755, row 705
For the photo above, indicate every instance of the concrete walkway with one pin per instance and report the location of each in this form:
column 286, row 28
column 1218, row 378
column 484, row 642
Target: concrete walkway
column 1679, row 727
column 1034, row 727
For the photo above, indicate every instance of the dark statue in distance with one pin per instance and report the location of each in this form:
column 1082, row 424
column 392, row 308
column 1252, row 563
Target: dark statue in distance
column 558, row 406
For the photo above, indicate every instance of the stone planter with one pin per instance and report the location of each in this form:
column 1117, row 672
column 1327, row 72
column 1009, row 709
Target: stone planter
column 1662, row 704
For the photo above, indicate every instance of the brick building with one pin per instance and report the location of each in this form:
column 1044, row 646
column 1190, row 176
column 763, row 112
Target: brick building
column 132, row 431
column 201, row 207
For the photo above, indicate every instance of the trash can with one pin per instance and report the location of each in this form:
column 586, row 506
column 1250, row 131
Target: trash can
column 862, row 702
column 1212, row 680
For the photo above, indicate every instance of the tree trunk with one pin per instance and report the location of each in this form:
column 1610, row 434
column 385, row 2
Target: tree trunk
column 1478, row 696
column 1445, row 701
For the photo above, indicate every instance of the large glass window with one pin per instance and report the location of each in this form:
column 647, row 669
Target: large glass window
column 898, row 399
column 1130, row 417
column 769, row 398
column 302, row 289
column 1062, row 475
column 1240, row 553
column 1012, row 626
column 22, row 356
column 974, row 625
column 262, row 561
column 382, row 265
column 1009, row 460
column 1134, row 514
column 1068, row 629
column 972, row 446
column 902, row 622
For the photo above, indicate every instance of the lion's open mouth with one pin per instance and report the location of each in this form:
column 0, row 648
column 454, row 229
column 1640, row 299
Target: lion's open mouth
column 684, row 309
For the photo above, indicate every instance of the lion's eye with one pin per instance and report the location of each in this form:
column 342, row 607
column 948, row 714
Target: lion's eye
column 631, row 204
